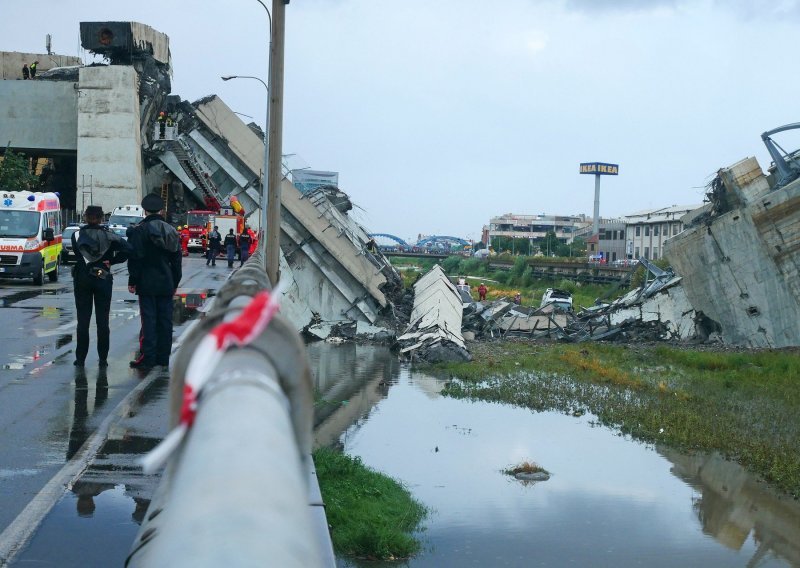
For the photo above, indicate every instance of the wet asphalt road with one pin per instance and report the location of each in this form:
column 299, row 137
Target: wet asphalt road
column 49, row 409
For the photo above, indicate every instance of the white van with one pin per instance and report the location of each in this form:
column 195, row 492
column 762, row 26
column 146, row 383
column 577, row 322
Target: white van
column 125, row 216
column 30, row 235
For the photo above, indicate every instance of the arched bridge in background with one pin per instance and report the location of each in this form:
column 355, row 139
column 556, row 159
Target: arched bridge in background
column 398, row 240
column 438, row 241
column 445, row 241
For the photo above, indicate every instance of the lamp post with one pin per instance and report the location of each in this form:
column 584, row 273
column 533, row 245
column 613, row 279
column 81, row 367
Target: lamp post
column 267, row 204
column 264, row 177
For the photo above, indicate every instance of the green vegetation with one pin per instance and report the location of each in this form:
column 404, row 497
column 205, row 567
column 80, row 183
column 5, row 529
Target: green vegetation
column 15, row 172
column 525, row 467
column 370, row 515
column 548, row 245
column 746, row 405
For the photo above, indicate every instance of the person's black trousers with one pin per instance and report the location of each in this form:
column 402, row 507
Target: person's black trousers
column 92, row 291
column 156, row 314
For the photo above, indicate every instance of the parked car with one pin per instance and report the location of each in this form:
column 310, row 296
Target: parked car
column 561, row 299
column 67, row 253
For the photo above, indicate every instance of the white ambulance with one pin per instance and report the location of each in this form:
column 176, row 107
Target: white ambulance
column 125, row 216
column 30, row 235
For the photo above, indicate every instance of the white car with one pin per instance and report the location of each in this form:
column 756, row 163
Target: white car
column 561, row 299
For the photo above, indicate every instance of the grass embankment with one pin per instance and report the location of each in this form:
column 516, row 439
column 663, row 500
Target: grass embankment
column 370, row 515
column 745, row 405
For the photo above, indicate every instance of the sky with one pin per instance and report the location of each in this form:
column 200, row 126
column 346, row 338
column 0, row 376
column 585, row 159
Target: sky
column 439, row 115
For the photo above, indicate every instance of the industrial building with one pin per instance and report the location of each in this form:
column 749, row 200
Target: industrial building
column 647, row 231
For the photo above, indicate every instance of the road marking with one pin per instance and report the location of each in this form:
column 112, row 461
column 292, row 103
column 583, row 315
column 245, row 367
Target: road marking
column 21, row 529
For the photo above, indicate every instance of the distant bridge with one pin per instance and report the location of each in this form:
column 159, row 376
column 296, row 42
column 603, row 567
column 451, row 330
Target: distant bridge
column 398, row 240
column 433, row 241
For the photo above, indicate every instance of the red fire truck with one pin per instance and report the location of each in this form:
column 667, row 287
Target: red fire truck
column 198, row 223
column 201, row 221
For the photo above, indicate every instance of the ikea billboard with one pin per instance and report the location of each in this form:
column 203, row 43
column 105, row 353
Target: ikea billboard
column 600, row 168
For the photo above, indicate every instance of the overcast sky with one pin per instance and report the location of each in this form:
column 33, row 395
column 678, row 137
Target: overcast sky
column 439, row 114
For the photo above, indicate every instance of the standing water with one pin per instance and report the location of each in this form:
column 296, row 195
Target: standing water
column 610, row 500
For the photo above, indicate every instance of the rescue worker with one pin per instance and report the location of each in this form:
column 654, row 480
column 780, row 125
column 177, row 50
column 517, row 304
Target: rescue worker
column 244, row 246
column 25, row 73
column 230, row 247
column 253, row 240
column 154, row 272
column 96, row 248
column 214, row 242
column 482, row 289
column 162, row 124
column 33, row 67
column 185, row 236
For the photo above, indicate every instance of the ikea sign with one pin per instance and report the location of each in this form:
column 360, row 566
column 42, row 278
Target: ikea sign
column 600, row 168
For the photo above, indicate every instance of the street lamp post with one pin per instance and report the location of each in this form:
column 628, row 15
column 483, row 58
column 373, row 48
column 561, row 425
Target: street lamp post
column 264, row 193
column 265, row 182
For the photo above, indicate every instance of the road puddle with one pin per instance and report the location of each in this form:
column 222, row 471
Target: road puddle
column 610, row 501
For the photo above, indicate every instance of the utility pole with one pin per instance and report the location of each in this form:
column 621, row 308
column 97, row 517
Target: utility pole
column 275, row 170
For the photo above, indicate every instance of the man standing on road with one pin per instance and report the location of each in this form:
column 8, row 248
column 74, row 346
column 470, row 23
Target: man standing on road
column 244, row 246
column 230, row 247
column 214, row 242
column 97, row 248
column 154, row 272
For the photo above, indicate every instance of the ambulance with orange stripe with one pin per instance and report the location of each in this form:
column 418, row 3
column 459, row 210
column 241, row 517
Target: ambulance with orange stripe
column 30, row 235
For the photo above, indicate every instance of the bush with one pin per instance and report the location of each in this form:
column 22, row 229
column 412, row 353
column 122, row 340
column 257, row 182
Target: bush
column 567, row 286
column 452, row 265
column 520, row 264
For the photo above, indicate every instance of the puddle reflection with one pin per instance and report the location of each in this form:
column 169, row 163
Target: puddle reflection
column 610, row 501
column 108, row 518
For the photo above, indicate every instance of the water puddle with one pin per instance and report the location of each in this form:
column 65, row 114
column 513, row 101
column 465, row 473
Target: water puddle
column 92, row 525
column 610, row 501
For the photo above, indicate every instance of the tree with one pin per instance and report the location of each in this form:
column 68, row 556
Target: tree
column 549, row 245
column 15, row 172
column 577, row 248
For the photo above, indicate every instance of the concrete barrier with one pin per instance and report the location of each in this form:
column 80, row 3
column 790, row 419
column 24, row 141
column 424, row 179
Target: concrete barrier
column 241, row 488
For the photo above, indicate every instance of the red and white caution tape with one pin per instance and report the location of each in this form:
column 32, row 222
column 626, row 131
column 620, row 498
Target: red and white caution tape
column 209, row 351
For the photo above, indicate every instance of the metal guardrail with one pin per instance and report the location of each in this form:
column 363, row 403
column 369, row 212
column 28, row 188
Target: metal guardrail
column 241, row 490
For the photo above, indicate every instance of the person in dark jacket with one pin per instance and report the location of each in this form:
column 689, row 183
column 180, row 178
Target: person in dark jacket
column 244, row 246
column 96, row 249
column 214, row 242
column 154, row 272
column 230, row 247
column 25, row 73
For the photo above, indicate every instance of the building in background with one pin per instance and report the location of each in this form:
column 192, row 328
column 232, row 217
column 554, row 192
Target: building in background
column 608, row 244
column 646, row 231
column 534, row 227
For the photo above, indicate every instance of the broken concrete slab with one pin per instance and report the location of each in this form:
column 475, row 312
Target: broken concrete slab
column 434, row 331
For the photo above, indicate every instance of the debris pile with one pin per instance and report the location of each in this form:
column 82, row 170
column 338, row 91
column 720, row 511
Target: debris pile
column 434, row 331
column 656, row 311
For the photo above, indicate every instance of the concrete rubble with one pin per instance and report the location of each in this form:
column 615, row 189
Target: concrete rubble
column 434, row 331
column 657, row 310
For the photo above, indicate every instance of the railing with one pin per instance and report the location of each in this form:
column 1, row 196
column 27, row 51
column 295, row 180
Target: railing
column 240, row 489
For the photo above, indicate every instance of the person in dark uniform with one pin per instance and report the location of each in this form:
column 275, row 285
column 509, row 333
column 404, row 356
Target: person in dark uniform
column 25, row 73
column 230, row 247
column 97, row 248
column 214, row 242
column 154, row 272
column 244, row 246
